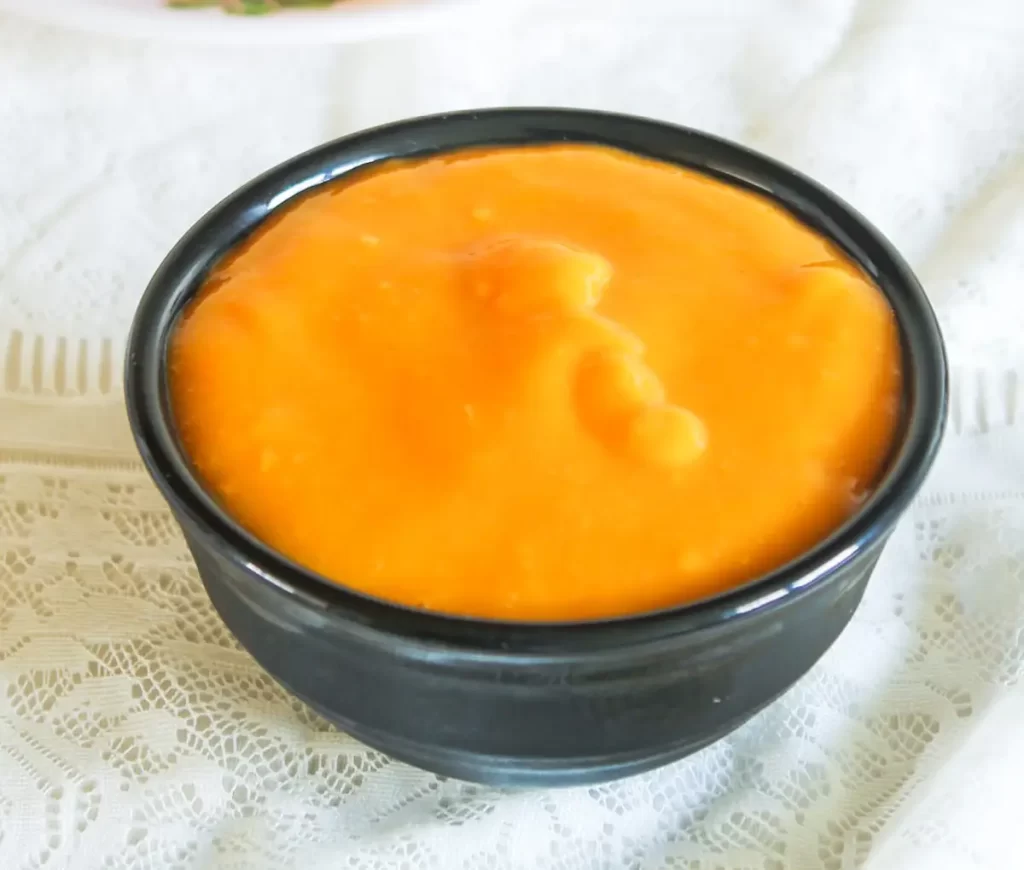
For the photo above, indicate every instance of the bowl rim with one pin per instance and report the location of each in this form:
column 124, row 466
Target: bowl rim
column 925, row 383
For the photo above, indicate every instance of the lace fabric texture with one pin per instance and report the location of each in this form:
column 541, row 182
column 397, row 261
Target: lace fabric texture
column 135, row 733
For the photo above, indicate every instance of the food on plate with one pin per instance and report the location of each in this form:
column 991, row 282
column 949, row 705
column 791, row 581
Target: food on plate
column 249, row 7
column 540, row 383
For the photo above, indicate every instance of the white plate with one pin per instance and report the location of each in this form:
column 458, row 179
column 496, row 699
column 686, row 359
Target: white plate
column 349, row 21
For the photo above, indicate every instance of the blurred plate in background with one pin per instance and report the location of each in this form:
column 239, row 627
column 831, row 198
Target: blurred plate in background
column 348, row 21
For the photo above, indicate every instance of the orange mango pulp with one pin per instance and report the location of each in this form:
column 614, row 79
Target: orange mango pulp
column 548, row 383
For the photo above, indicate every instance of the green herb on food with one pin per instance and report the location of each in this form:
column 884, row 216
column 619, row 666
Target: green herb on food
column 249, row 7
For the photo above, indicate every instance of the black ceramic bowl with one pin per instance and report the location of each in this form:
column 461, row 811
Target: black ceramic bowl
column 521, row 703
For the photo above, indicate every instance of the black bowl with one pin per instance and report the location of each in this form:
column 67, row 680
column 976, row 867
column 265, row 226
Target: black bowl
column 530, row 703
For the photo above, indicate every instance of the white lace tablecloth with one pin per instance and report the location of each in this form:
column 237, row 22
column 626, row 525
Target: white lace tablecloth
column 134, row 733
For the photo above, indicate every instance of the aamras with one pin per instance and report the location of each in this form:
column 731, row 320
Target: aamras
column 544, row 383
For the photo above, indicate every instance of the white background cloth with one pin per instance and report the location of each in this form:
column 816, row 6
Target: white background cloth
column 133, row 731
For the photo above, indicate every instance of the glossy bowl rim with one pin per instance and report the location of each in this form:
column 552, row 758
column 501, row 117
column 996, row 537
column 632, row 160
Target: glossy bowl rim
column 925, row 374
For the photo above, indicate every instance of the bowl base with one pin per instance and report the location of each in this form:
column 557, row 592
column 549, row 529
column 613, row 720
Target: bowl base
column 517, row 772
